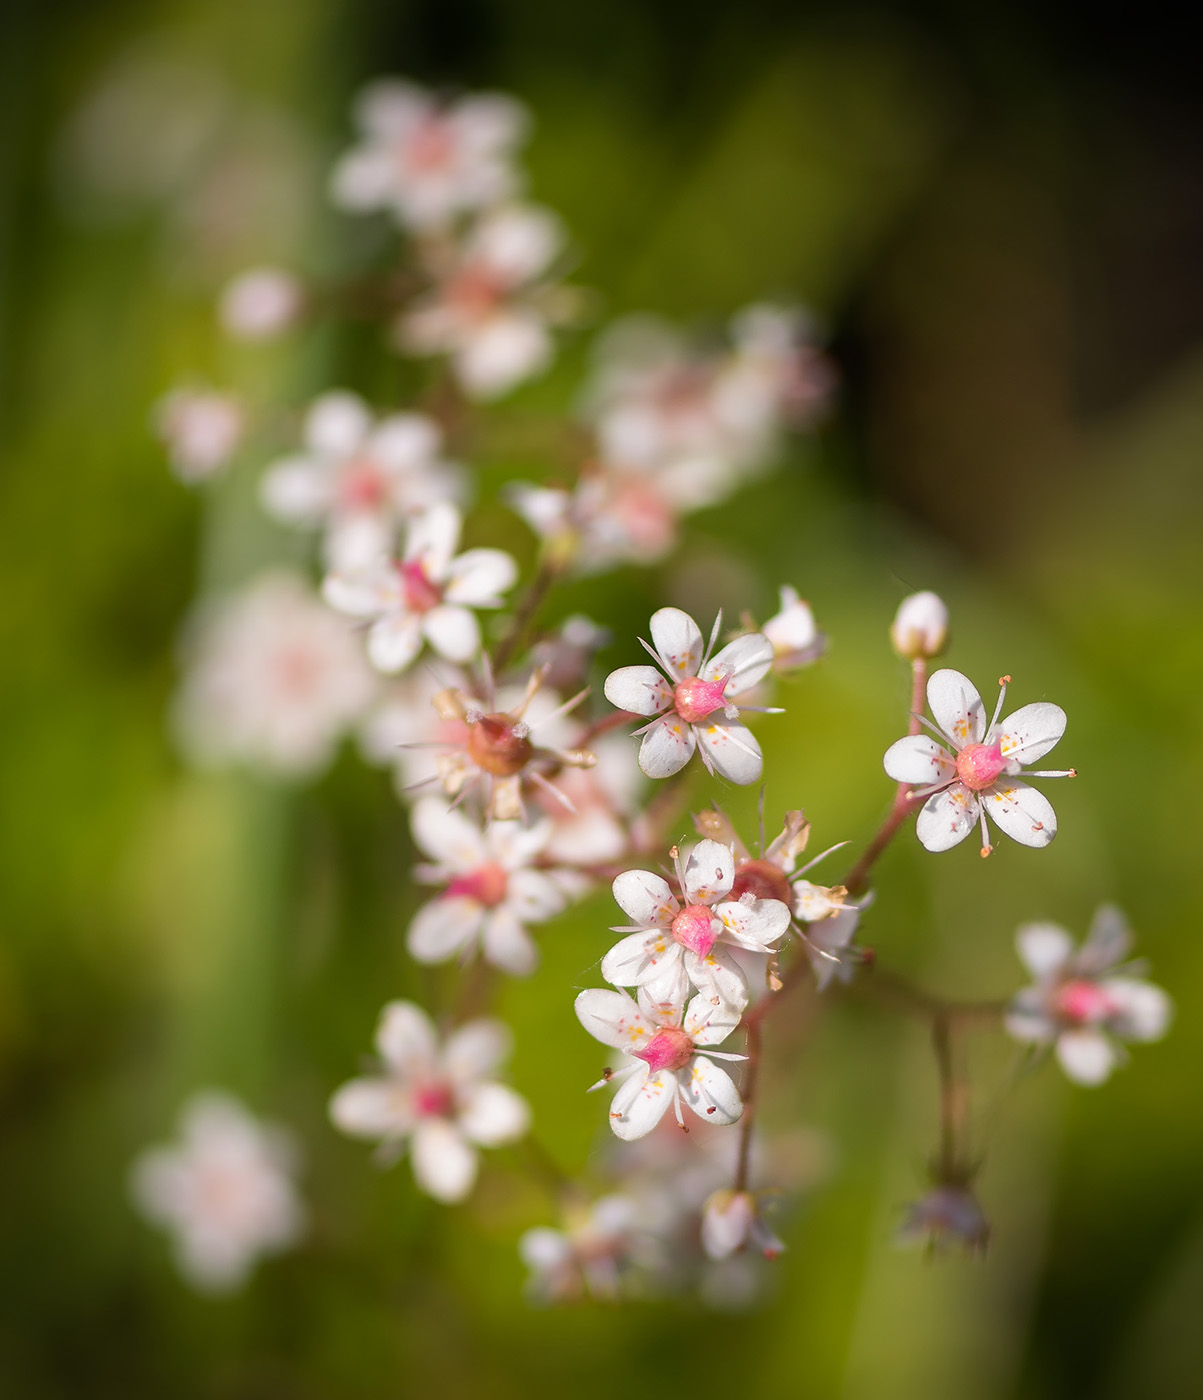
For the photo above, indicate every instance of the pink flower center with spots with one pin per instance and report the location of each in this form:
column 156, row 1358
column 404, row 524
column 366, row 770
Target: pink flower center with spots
column 693, row 928
column 420, row 593
column 669, row 1048
column 433, row 1101
column 979, row 765
column 695, row 698
column 362, row 485
column 486, row 885
column 1083, row 1003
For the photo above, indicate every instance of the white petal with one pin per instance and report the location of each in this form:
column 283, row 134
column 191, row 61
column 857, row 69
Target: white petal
column 646, row 898
column 641, row 1102
column 337, row 424
column 919, row 761
column 946, row 818
column 733, row 750
column 508, row 348
column 364, row 592
column 405, row 1038
column 640, row 689
column 443, row 928
column 476, row 1049
column 507, row 944
column 1088, row 1057
column 747, row 660
column 1027, row 1017
column 1107, row 943
column 297, row 491
column 1044, row 949
column 1145, row 1010
column 432, row 539
column 453, row 632
column 357, row 539
column 518, row 243
column 1031, row 732
column 678, row 642
column 390, row 107
column 707, row 1023
column 614, row 1019
column 444, row 1164
column 957, row 707
column 372, row 1108
column 1023, row 813
column 640, row 957
column 667, row 747
column 405, row 441
column 394, row 641
column 533, row 895
column 754, row 925
column 709, row 872
column 710, row 1092
column 478, row 576
column 493, row 1114
column 719, row 976
column 667, row 984
column 448, row 835
column 544, row 1250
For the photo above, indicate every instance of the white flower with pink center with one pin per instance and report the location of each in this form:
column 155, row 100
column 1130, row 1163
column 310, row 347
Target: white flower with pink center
column 489, row 309
column 673, row 944
column 970, row 770
column 693, row 698
column 671, row 1047
column 201, row 429
column 225, row 1191
column 491, row 892
column 428, row 161
column 1078, row 1004
column 439, row 1096
column 359, row 478
column 427, row 594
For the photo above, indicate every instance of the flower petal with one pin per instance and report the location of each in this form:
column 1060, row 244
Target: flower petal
column 614, row 1019
column 733, row 750
column 364, row 592
column 444, row 1164
column 393, row 642
column 719, row 978
column 1145, row 1011
column 337, row 424
column 533, row 895
column 1031, row 732
column 432, row 539
column 493, row 1114
column 639, row 958
column 479, row 576
column 1107, row 943
column 710, row 1092
column 405, row 442
column 667, row 747
column 641, row 1102
column 476, row 1049
column 372, row 1108
column 919, row 761
column 507, row 944
column 678, row 642
column 746, row 660
column 755, row 924
column 709, row 872
column 495, row 355
column 640, row 689
column 296, row 490
column 1027, row 1017
column 1088, row 1057
column 646, row 898
column 1044, row 949
column 1026, row 815
column 405, row 1037
column 709, row 1024
column 453, row 632
column 447, row 835
column 946, row 818
column 957, row 707
column 443, row 928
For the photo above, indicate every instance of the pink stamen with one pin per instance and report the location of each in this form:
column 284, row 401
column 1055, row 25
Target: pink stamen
column 420, row 594
column 695, row 698
column 486, row 885
column 668, row 1049
column 1083, row 1003
column 979, row 765
column 693, row 928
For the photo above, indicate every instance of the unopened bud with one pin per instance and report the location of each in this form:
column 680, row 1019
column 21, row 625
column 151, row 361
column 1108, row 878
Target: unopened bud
column 261, row 303
column 920, row 627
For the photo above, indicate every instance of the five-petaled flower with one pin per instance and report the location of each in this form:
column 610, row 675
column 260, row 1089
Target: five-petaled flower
column 439, row 1097
column 979, row 777
column 694, row 704
column 671, row 1045
column 1078, row 1004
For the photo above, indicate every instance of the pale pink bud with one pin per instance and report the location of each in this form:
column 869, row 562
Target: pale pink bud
column 920, row 627
column 260, row 303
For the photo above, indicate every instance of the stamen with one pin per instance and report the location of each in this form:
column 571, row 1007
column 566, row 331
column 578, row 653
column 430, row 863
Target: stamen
column 655, row 655
column 718, row 622
column 1003, row 682
column 986, row 846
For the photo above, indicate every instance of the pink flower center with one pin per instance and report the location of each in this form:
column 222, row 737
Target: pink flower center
column 362, row 485
column 433, row 1101
column 695, row 698
column 669, row 1048
column 475, row 291
column 978, row 765
column 486, row 885
column 431, row 147
column 1083, row 1003
column 693, row 928
column 499, row 746
column 762, row 880
column 298, row 670
column 420, row 594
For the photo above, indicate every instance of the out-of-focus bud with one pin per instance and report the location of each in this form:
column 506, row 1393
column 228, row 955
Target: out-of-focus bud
column 796, row 639
column 260, row 303
column 947, row 1216
column 731, row 1221
column 920, row 627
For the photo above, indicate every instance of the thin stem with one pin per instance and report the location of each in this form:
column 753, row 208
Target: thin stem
column 524, row 614
column 748, row 1121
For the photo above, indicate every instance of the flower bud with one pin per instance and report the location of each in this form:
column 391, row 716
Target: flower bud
column 260, row 303
column 920, row 627
column 731, row 1220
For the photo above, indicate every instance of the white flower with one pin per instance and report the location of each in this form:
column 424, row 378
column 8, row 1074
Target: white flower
column 979, row 776
column 796, row 639
column 673, row 945
column 225, row 1191
column 438, row 1097
column 486, row 309
column 260, row 303
column 359, row 478
column 274, row 679
column 201, row 429
column 491, row 893
column 698, row 689
column 590, row 1255
column 920, row 626
column 732, row 1220
column 428, row 161
column 597, row 826
column 672, row 1049
column 427, row 595
column 1078, row 1004
column 774, row 376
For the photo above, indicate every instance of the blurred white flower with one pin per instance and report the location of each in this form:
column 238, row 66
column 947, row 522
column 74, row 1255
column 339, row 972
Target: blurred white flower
column 920, row 626
column 796, row 639
column 225, row 1191
column 591, row 1256
column 201, row 429
column 733, row 1220
column 273, row 680
column 260, row 303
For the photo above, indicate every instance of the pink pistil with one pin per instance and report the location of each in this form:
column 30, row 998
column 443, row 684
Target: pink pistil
column 693, row 928
column 420, row 594
column 669, row 1048
column 695, row 698
column 979, row 765
column 1083, row 1003
column 486, row 885
column 433, row 1101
